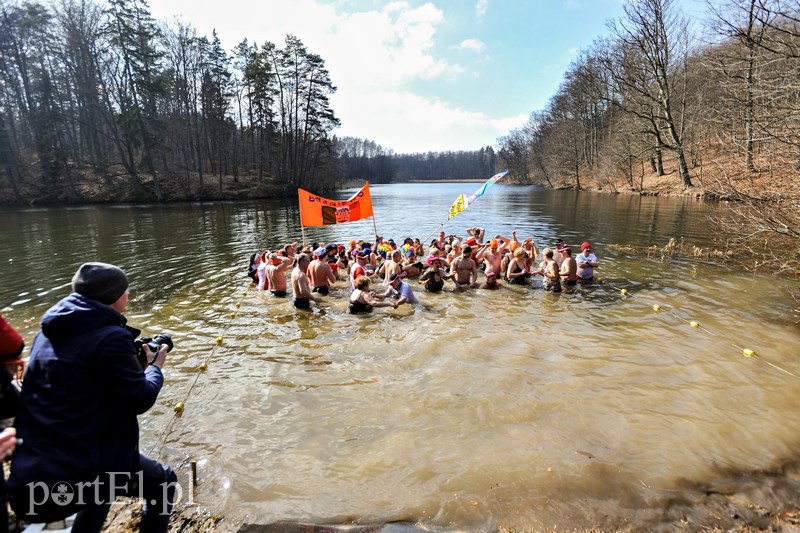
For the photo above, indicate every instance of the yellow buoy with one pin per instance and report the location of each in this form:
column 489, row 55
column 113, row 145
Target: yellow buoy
column 219, row 340
column 748, row 352
column 656, row 307
column 624, row 292
column 694, row 324
column 238, row 305
column 203, row 367
column 233, row 315
column 178, row 409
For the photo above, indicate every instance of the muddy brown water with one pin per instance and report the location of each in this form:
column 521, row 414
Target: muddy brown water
column 480, row 410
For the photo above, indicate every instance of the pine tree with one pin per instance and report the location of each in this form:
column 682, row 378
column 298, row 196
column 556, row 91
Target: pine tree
column 138, row 84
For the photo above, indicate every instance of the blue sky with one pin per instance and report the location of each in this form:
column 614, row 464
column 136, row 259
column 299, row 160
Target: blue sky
column 418, row 76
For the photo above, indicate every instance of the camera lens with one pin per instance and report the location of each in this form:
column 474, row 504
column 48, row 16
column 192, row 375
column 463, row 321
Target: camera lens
column 163, row 339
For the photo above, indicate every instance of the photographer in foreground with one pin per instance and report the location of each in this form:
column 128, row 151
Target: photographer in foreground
column 83, row 390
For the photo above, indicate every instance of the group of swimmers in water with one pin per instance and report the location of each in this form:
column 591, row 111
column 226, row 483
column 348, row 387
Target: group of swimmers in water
column 449, row 258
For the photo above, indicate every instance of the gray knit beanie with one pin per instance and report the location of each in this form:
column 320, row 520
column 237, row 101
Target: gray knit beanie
column 100, row 281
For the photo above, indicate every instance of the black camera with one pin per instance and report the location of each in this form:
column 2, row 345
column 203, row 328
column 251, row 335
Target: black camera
column 154, row 344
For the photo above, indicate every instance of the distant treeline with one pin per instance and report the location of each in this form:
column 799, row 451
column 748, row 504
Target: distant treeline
column 362, row 159
column 93, row 89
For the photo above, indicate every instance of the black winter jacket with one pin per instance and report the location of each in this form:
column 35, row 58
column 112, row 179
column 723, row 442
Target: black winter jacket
column 81, row 393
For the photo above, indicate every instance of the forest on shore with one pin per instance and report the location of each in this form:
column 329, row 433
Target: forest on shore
column 667, row 104
column 100, row 102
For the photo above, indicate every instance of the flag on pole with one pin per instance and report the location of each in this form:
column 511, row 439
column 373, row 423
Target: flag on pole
column 463, row 202
column 458, row 206
column 480, row 192
column 318, row 211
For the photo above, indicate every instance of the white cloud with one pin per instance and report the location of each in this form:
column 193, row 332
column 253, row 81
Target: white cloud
column 391, row 46
column 410, row 123
column 373, row 57
column 481, row 8
column 474, row 45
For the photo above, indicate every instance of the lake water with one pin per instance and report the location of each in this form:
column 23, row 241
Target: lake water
column 480, row 410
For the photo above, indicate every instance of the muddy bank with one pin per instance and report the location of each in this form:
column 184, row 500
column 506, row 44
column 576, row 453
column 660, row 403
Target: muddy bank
column 736, row 501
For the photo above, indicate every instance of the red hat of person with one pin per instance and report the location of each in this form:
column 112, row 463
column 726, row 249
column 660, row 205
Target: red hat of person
column 585, row 245
column 11, row 343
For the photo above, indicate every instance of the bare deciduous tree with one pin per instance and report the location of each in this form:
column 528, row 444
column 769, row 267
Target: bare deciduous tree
column 650, row 60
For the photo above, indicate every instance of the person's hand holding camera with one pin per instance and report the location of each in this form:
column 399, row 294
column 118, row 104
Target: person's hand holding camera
column 159, row 358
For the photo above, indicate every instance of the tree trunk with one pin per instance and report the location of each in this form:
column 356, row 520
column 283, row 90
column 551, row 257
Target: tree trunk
column 659, row 161
column 684, row 169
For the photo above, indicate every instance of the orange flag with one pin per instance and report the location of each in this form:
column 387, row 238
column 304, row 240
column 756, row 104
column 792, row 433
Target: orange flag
column 318, row 211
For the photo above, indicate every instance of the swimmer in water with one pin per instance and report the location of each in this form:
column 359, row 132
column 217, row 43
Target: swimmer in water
column 300, row 285
column 434, row 277
column 363, row 300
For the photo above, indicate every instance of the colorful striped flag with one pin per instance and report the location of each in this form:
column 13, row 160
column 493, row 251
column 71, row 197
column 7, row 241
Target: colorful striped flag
column 480, row 192
column 463, row 202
